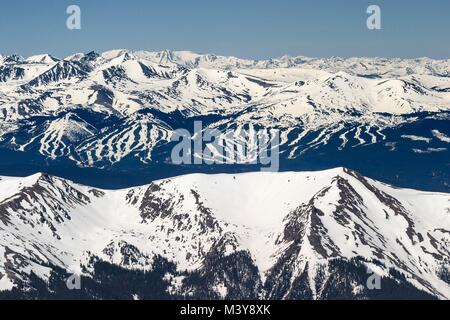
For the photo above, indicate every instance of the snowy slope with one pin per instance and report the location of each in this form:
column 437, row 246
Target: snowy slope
column 291, row 224
column 298, row 95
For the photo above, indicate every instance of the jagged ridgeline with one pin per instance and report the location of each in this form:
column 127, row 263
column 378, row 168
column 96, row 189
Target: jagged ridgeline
column 107, row 119
column 329, row 234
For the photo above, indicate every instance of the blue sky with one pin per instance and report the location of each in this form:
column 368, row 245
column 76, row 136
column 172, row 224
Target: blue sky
column 244, row 28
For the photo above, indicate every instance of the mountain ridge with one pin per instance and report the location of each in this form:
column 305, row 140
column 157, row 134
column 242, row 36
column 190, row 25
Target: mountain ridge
column 293, row 227
column 105, row 110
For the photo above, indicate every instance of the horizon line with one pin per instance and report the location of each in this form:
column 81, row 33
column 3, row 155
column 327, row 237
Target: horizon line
column 100, row 52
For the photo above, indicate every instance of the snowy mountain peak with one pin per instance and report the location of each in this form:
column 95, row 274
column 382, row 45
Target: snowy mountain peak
column 14, row 58
column 129, row 103
column 42, row 58
column 289, row 225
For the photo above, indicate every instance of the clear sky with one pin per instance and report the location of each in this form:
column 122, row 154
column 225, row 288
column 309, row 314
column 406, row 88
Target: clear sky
column 244, row 28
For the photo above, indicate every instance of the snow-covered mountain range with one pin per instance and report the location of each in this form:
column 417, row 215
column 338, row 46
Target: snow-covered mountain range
column 291, row 235
column 106, row 120
column 120, row 108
